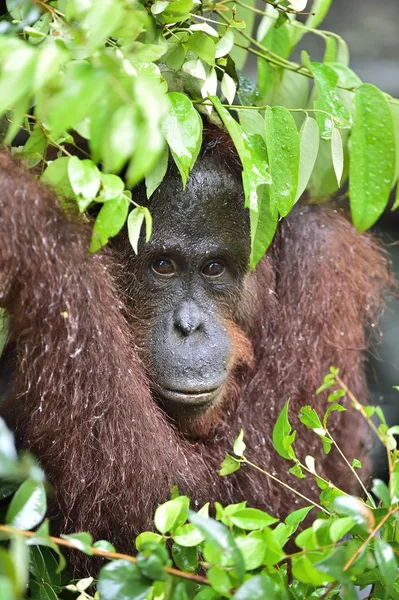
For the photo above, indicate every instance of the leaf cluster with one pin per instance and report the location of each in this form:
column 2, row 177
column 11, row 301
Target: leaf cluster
column 126, row 81
column 329, row 549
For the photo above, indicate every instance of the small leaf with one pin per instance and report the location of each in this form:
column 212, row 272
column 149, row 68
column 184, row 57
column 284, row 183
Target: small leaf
column 309, row 417
column 109, row 221
column 360, row 513
column 203, row 46
column 182, row 128
column 134, row 223
column 258, row 587
column 239, row 445
column 82, row 541
column 170, row 514
column 356, row 464
column 28, row 506
column 221, row 538
column 308, row 149
column 326, row 81
column 225, row 44
column 104, row 545
column 112, row 187
column 155, row 177
column 283, row 436
column 381, row 490
column 340, row 527
column 252, row 519
column 85, row 180
column 337, row 152
column 229, row 465
column 122, row 580
column 228, row 88
column 147, row 537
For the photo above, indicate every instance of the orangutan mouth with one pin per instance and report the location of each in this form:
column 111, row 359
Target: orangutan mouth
column 195, row 398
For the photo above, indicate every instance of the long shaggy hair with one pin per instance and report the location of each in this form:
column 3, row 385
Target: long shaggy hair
column 81, row 399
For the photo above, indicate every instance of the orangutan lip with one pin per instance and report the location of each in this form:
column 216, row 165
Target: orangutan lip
column 189, row 397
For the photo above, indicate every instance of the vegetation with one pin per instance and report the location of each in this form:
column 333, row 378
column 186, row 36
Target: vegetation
column 240, row 554
column 126, row 81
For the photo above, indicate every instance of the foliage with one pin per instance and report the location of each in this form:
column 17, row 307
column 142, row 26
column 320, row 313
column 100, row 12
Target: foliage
column 240, row 553
column 125, row 82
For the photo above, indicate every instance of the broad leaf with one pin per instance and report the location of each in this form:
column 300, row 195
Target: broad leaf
column 282, row 142
column 372, row 157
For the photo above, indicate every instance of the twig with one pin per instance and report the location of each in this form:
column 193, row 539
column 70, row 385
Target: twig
column 104, row 553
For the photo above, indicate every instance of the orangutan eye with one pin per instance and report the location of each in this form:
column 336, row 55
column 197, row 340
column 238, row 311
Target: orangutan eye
column 163, row 266
column 213, row 268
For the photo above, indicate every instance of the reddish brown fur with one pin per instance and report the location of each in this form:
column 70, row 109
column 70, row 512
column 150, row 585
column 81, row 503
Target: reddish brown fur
column 81, row 399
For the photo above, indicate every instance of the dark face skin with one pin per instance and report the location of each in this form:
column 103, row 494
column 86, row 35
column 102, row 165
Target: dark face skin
column 191, row 274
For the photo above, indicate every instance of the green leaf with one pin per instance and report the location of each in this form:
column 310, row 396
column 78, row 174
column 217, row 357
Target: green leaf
column 252, row 519
column 85, row 181
column 308, row 150
column 229, row 465
column 112, row 187
column 219, row 580
column 109, row 221
column 381, row 490
column 252, row 122
column 122, row 580
column 155, row 177
column 330, row 409
column 120, row 139
column 337, row 153
column 43, row 565
column 185, row 558
column 56, row 176
column 104, row 545
column 28, row 506
column 282, row 143
column 252, row 547
column 188, row 536
column 182, row 128
column 340, row 527
column 171, row 514
column 283, row 436
column 100, row 23
column 326, row 81
column 309, row 417
column 252, row 152
column 147, row 537
column 386, row 561
column 16, row 72
column 134, row 222
column 82, row 86
column 239, row 445
column 203, row 46
column 82, row 541
column 225, row 44
column 303, row 569
column 151, row 566
column 360, row 513
column 259, row 587
column 372, row 157
column 221, row 538
column 263, row 225
column 356, row 464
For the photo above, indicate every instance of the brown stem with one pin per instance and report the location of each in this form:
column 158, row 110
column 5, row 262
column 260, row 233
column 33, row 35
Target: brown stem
column 105, row 554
